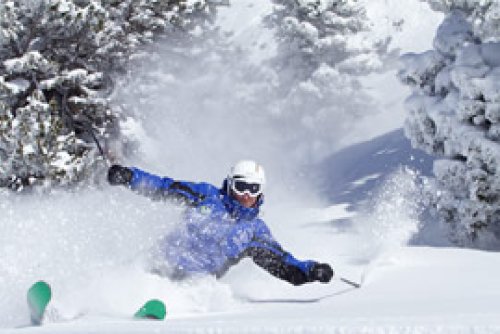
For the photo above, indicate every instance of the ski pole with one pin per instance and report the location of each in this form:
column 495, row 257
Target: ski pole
column 356, row 285
column 99, row 147
column 86, row 125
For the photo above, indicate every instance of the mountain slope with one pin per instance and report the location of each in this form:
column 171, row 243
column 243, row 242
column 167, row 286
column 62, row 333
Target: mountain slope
column 353, row 173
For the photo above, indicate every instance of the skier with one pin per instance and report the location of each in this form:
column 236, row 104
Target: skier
column 222, row 225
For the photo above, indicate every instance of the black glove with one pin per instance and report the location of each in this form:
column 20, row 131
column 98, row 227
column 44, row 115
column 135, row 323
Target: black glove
column 119, row 175
column 321, row 272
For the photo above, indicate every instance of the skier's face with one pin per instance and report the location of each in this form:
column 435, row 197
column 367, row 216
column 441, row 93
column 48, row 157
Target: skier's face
column 246, row 200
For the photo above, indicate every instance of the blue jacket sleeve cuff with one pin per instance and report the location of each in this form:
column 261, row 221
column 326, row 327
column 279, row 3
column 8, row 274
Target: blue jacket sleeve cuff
column 304, row 266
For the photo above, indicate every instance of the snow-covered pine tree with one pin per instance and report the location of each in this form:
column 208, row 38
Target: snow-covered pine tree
column 58, row 63
column 454, row 113
column 320, row 51
column 315, row 32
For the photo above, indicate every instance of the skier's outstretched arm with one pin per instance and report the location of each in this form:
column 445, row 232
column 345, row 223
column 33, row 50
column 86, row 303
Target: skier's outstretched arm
column 286, row 267
column 268, row 254
column 157, row 187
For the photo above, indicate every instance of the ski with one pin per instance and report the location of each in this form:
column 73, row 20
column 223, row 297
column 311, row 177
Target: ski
column 152, row 309
column 39, row 295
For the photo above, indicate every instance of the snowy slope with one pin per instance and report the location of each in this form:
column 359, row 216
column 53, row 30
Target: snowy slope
column 406, row 289
column 92, row 245
column 353, row 173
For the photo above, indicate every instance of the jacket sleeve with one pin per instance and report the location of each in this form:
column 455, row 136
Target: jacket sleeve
column 158, row 187
column 269, row 255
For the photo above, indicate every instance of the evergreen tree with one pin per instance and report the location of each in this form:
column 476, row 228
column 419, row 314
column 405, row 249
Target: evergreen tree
column 320, row 52
column 59, row 60
column 311, row 33
column 454, row 113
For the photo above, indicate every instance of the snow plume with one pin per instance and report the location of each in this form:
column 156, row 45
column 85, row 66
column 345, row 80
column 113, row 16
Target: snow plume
column 392, row 217
column 197, row 109
column 94, row 243
column 69, row 239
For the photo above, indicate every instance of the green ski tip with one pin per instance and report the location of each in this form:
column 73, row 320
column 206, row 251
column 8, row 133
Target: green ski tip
column 39, row 295
column 153, row 309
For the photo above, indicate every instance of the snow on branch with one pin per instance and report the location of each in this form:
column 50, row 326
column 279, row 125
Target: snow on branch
column 58, row 63
column 454, row 113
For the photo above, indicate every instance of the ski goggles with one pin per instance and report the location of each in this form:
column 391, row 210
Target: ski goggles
column 241, row 187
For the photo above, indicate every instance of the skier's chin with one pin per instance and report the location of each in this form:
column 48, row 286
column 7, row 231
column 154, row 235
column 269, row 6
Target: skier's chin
column 245, row 200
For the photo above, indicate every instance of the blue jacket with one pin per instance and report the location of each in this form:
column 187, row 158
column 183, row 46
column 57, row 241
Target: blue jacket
column 218, row 231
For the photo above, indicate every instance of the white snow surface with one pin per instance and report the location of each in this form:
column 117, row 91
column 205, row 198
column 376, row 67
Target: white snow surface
column 93, row 245
column 406, row 289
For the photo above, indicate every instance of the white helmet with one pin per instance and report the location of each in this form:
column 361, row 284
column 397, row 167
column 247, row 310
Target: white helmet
column 249, row 172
